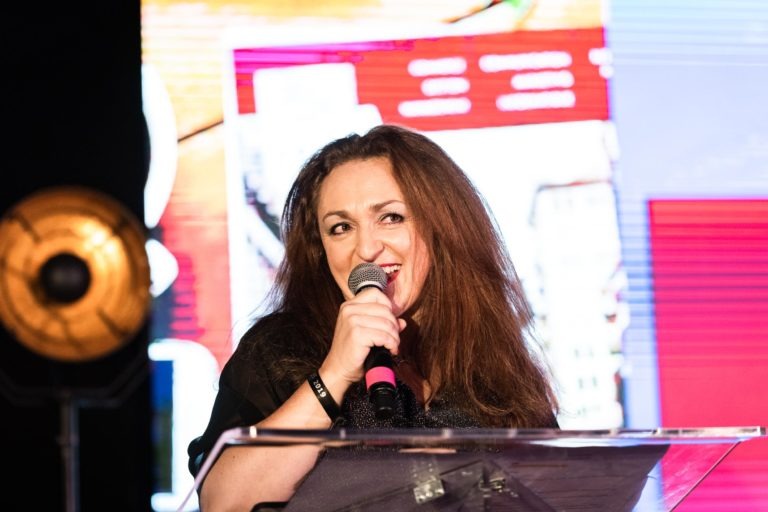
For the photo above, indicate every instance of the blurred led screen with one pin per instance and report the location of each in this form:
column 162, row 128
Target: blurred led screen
column 572, row 147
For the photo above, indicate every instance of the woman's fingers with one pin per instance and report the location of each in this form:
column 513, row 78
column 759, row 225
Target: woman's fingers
column 372, row 316
column 364, row 321
column 366, row 326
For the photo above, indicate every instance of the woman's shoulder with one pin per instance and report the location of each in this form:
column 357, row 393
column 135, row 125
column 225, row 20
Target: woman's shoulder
column 278, row 336
column 275, row 319
column 263, row 350
column 271, row 329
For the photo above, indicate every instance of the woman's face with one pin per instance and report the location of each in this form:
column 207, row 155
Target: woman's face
column 363, row 217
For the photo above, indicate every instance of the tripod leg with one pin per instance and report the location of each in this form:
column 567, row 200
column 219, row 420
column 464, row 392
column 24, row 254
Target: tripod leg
column 69, row 441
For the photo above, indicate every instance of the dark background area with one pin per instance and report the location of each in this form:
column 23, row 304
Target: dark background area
column 72, row 115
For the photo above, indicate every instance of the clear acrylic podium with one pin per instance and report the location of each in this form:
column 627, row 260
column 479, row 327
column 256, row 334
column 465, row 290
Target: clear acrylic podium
column 511, row 470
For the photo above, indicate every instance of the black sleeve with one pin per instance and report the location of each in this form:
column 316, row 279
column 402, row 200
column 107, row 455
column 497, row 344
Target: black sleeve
column 248, row 389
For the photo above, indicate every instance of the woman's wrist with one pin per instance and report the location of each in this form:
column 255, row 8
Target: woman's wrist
column 325, row 397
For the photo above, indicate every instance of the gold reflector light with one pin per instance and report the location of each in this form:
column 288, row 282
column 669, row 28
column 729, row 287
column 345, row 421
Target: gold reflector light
column 74, row 274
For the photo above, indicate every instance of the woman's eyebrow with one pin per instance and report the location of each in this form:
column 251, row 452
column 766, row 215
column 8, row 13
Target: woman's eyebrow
column 338, row 213
column 374, row 208
column 380, row 206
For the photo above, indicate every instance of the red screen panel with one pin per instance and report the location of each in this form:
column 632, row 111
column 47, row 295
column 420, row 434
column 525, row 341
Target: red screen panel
column 710, row 275
column 389, row 76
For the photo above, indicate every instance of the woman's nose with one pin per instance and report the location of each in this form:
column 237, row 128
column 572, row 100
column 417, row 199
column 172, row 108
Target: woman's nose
column 369, row 244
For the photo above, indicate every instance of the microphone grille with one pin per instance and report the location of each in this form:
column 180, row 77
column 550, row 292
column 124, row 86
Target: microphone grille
column 367, row 274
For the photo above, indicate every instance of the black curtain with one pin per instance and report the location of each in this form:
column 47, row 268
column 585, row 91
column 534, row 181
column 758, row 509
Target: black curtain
column 71, row 92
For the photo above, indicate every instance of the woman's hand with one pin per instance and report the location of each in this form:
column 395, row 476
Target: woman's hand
column 364, row 321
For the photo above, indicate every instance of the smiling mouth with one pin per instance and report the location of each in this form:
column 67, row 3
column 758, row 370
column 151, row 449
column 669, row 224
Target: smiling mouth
column 391, row 271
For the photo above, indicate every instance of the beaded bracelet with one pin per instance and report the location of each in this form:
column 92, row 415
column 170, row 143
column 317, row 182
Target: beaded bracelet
column 326, row 400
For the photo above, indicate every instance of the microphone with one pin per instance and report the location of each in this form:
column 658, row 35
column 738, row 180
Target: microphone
column 379, row 373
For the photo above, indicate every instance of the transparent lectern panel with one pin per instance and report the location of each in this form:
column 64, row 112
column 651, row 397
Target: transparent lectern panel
column 537, row 470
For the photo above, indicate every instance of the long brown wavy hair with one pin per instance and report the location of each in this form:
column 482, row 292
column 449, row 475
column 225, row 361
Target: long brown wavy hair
column 473, row 317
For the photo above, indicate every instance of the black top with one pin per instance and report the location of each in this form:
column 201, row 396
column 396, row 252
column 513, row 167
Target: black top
column 251, row 388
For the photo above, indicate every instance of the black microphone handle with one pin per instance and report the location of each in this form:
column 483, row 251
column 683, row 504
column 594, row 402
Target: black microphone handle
column 380, row 382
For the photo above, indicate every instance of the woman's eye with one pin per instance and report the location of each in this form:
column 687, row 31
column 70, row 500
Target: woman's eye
column 393, row 218
column 338, row 229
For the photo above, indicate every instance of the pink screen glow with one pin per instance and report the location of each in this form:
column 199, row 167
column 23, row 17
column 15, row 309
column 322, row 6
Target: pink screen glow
column 710, row 272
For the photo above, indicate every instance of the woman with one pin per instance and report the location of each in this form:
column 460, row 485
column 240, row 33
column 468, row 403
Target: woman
column 453, row 314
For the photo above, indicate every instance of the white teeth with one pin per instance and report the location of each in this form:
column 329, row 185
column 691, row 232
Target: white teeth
column 391, row 269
